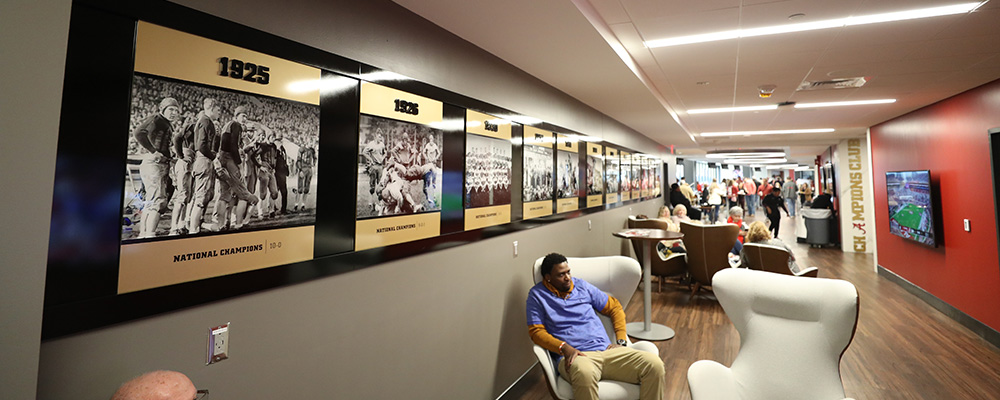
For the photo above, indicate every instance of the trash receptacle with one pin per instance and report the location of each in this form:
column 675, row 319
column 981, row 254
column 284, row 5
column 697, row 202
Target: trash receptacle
column 817, row 225
column 800, row 227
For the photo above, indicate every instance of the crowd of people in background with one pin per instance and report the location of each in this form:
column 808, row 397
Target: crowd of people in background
column 740, row 199
column 746, row 193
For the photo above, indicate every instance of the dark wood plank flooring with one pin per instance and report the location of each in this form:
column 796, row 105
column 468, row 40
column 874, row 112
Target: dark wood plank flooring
column 903, row 348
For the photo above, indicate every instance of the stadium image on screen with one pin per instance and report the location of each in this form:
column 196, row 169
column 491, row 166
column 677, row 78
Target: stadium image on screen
column 911, row 214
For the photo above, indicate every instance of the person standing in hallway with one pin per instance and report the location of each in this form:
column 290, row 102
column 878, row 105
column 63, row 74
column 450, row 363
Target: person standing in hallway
column 764, row 189
column 750, row 187
column 688, row 192
column 805, row 193
column 772, row 202
column 789, row 191
column 562, row 318
column 716, row 194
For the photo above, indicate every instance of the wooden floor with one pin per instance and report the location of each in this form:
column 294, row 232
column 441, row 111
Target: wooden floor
column 903, row 348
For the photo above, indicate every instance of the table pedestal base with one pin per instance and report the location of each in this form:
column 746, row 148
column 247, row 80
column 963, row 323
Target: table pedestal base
column 655, row 332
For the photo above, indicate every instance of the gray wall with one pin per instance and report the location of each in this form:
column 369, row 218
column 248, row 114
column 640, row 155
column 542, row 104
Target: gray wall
column 689, row 171
column 32, row 55
column 444, row 325
column 447, row 324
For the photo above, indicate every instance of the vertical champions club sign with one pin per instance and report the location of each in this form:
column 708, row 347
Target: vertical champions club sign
column 856, row 214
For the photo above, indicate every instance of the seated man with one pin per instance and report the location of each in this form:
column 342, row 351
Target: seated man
column 562, row 318
column 157, row 385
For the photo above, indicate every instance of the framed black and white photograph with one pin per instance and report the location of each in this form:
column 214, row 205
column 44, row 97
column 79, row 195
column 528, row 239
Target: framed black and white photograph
column 537, row 173
column 569, row 174
column 595, row 174
column 625, row 176
column 487, row 171
column 399, row 168
column 612, row 171
column 201, row 158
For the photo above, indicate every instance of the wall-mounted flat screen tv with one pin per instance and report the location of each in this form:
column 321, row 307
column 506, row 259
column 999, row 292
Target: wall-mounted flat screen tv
column 911, row 210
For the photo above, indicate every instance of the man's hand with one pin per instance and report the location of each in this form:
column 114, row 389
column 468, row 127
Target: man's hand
column 613, row 346
column 570, row 353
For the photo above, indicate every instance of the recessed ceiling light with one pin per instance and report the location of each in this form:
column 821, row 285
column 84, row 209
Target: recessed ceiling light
column 797, row 105
column 844, row 103
column 732, row 109
column 755, row 161
column 768, row 132
column 815, row 25
column 745, row 154
column 783, row 166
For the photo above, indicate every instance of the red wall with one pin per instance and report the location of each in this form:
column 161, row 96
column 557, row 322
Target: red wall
column 948, row 138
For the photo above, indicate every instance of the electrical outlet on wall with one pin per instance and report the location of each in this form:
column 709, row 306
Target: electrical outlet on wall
column 218, row 344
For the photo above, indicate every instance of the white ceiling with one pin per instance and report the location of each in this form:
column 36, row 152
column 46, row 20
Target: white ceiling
column 570, row 44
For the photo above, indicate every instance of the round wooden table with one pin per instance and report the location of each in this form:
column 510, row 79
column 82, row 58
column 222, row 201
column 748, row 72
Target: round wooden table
column 646, row 329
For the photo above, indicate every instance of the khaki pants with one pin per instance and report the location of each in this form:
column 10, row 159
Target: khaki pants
column 620, row 364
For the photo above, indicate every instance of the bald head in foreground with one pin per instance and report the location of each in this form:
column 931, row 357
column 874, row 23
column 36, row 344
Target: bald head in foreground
column 157, row 385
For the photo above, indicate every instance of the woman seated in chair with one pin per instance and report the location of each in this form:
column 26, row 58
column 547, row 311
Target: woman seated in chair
column 680, row 214
column 664, row 215
column 736, row 218
column 758, row 233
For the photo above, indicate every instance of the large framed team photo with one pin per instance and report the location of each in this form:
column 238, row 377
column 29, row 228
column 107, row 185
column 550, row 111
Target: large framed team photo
column 488, row 162
column 221, row 160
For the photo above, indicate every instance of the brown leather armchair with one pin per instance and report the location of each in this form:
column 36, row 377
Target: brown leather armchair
column 673, row 266
column 765, row 257
column 708, row 249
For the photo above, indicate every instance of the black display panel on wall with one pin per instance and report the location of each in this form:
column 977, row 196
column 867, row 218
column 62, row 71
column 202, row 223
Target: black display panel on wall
column 100, row 192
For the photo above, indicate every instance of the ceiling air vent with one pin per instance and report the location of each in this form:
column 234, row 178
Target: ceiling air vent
column 843, row 83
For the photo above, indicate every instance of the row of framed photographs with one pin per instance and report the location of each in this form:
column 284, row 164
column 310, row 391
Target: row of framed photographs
column 239, row 161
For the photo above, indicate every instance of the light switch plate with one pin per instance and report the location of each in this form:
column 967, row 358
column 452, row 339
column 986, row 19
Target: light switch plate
column 515, row 248
column 218, row 344
column 968, row 228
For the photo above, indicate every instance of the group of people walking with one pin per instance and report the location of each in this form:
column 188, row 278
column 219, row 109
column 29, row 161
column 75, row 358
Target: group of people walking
column 772, row 195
